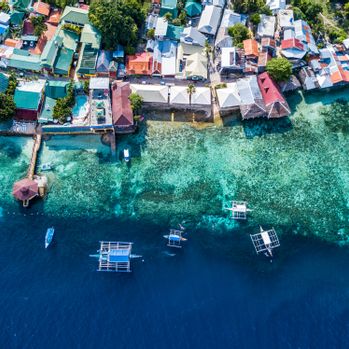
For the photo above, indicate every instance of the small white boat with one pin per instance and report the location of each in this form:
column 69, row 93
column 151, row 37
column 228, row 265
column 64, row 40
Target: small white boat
column 127, row 155
column 49, row 236
column 46, row 167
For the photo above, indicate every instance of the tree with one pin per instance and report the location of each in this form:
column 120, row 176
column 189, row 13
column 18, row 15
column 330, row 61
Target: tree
column 239, row 33
column 168, row 17
column 118, row 21
column 191, row 90
column 248, row 6
column 4, row 6
column 63, row 106
column 8, row 107
column 207, row 48
column 255, row 18
column 280, row 69
column 12, row 84
column 346, row 10
column 136, row 103
column 39, row 25
column 151, row 34
column 265, row 10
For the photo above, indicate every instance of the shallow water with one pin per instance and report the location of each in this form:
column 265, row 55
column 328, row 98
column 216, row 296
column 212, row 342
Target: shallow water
column 215, row 292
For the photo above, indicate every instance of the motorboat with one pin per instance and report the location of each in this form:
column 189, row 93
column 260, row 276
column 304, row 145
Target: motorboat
column 127, row 155
column 49, row 236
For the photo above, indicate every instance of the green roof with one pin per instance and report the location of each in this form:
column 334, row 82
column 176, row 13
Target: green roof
column 90, row 35
column 169, row 6
column 75, row 15
column 70, row 39
column 3, row 82
column 87, row 60
column 63, row 61
column 56, row 89
column 50, row 51
column 21, row 5
column 27, row 99
column 20, row 52
column 174, row 32
column 193, row 8
column 25, row 62
column 16, row 17
column 47, row 110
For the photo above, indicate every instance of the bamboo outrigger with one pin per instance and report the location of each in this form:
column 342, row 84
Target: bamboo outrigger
column 175, row 238
column 265, row 241
column 239, row 210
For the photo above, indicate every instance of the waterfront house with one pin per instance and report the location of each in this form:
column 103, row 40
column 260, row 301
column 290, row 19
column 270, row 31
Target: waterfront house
column 201, row 97
column 292, row 84
column 209, row 20
column 152, row 94
column 179, row 95
column 266, row 27
column 228, row 97
column 192, row 36
column 28, row 99
column 75, row 15
column 140, row 64
column 276, row 5
column 169, row 6
column 121, row 107
column 251, row 49
column 275, row 103
column 229, row 19
column 193, row 8
column 252, row 104
column 302, row 32
column 308, row 79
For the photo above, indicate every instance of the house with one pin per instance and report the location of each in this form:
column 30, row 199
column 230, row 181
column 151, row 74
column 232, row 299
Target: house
column 268, row 45
column 251, row 49
column 201, row 97
column 196, row 67
column 252, row 104
column 21, row 5
column 139, row 64
column 161, row 28
column 193, row 8
column 91, row 36
column 164, row 58
column 266, row 26
column 276, row 5
column 292, row 84
column 303, row 33
column 154, row 94
column 87, row 61
column 63, row 61
column 50, row 52
column 229, row 19
column 293, row 49
column 4, row 79
column 169, row 6
column 42, row 8
column 121, row 107
column 54, row 17
column 275, row 103
column 29, row 100
column 174, row 32
column 308, row 79
column 179, row 95
column 192, row 36
column 27, row 63
column 75, row 15
column 263, row 58
column 150, row 22
column 56, row 89
column 285, row 19
column 229, row 97
column 16, row 18
column 209, row 20
column 231, row 61
column 103, row 63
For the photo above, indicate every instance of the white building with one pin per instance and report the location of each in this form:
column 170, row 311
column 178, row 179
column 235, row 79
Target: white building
column 201, row 96
column 179, row 95
column 151, row 93
column 229, row 97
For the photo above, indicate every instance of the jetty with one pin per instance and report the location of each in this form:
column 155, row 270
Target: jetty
column 32, row 185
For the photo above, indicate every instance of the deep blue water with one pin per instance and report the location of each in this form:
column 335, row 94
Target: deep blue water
column 215, row 293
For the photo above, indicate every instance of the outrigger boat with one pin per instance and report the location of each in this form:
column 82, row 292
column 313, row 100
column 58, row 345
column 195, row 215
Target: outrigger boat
column 238, row 209
column 46, row 167
column 265, row 241
column 175, row 238
column 49, row 236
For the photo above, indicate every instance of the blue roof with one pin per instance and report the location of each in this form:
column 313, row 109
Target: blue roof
column 119, row 52
column 174, row 238
column 121, row 255
column 3, row 28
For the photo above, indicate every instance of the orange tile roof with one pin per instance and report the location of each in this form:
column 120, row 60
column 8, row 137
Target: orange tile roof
column 42, row 8
column 12, row 42
column 55, row 17
column 139, row 64
column 251, row 47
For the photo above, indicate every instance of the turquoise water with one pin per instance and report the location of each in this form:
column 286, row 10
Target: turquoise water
column 80, row 108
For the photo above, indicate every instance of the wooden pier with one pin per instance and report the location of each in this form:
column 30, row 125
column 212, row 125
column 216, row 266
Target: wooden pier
column 34, row 157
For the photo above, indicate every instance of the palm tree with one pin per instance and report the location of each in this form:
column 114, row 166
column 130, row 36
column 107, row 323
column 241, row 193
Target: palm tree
column 190, row 91
column 208, row 48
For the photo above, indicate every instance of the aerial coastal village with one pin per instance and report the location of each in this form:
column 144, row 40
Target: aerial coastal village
column 64, row 67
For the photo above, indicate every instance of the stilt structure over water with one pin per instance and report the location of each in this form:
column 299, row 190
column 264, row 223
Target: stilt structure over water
column 115, row 256
column 238, row 209
column 265, row 241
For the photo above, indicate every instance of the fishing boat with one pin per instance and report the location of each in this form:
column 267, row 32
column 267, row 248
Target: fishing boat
column 175, row 238
column 265, row 241
column 126, row 155
column 46, row 167
column 238, row 209
column 49, row 236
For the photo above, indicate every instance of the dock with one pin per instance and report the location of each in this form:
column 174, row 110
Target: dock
column 34, row 157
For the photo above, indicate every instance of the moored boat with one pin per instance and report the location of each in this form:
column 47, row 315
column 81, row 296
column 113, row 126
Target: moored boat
column 126, row 155
column 49, row 236
column 46, row 167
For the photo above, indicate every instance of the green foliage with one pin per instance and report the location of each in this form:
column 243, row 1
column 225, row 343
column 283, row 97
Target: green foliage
column 248, row 6
column 221, row 85
column 168, row 17
column 63, row 106
column 255, row 18
column 12, row 84
column 72, row 27
column 337, row 35
column 63, row 3
column 118, row 21
column 86, row 86
column 346, row 10
column 280, row 69
column 265, row 10
column 136, row 103
column 297, row 13
column 4, row 6
column 39, row 25
column 8, row 107
column 151, row 34
column 307, row 10
column 239, row 33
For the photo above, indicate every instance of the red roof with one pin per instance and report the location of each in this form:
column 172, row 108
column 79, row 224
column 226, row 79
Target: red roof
column 121, row 106
column 139, row 64
column 54, row 17
column 42, row 8
column 25, row 189
column 251, row 47
column 292, row 43
column 268, row 42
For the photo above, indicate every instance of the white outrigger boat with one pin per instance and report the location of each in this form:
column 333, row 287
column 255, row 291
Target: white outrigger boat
column 175, row 238
column 127, row 155
column 238, row 209
column 49, row 236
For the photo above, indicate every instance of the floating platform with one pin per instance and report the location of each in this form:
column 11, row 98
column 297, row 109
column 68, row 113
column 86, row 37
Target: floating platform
column 115, row 256
column 265, row 241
